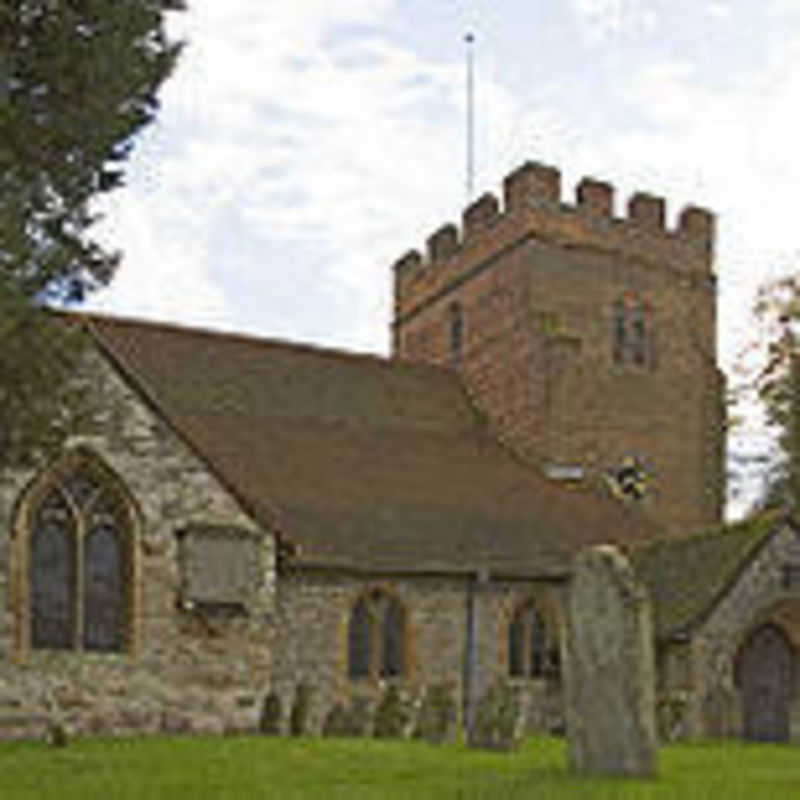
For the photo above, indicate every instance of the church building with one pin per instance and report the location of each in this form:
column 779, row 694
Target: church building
column 242, row 517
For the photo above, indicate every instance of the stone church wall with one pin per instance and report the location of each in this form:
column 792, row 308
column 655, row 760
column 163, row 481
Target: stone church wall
column 313, row 613
column 181, row 669
column 761, row 594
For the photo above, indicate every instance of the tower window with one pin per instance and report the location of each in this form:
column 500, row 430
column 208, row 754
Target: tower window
column 456, row 334
column 631, row 333
column 619, row 332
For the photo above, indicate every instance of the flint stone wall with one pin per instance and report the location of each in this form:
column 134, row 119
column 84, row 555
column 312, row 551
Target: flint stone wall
column 610, row 671
column 187, row 672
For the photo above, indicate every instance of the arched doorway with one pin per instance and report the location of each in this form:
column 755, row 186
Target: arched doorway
column 764, row 673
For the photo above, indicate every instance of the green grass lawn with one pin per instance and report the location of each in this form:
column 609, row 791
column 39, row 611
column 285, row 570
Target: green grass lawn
column 199, row 768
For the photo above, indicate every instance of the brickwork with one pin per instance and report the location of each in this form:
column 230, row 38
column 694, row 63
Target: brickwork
column 536, row 285
column 181, row 670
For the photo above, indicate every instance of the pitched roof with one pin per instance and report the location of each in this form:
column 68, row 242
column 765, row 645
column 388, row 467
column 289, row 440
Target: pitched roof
column 686, row 577
column 361, row 461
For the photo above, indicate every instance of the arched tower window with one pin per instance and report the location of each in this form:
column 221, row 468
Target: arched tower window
column 631, row 331
column 638, row 334
column 532, row 645
column 79, row 556
column 620, row 332
column 456, row 323
column 376, row 637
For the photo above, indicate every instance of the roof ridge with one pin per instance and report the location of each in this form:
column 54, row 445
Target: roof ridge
column 90, row 317
column 765, row 518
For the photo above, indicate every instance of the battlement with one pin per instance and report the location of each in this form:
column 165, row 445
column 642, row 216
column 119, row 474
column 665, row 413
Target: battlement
column 532, row 208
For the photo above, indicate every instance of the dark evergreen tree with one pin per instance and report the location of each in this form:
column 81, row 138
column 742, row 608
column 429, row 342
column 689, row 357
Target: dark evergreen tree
column 78, row 81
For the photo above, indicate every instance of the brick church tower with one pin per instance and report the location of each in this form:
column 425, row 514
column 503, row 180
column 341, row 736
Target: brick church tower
column 588, row 341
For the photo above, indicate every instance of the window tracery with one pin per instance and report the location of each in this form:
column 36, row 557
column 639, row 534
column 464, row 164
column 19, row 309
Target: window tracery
column 78, row 552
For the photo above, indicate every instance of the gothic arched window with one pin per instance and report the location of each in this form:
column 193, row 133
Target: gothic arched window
column 532, row 645
column 79, row 555
column 376, row 637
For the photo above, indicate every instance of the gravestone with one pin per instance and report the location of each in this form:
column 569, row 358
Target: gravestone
column 609, row 670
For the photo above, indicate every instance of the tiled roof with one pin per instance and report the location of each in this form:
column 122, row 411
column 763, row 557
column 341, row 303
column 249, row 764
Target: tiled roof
column 360, row 461
column 685, row 577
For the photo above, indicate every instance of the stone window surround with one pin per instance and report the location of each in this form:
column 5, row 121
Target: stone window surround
column 632, row 331
column 553, row 635
column 386, row 594
column 27, row 505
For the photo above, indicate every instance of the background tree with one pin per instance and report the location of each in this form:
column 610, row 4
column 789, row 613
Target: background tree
column 777, row 385
column 78, row 80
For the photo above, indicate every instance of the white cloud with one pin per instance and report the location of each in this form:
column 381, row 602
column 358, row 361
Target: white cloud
column 720, row 11
column 303, row 146
column 606, row 19
column 283, row 123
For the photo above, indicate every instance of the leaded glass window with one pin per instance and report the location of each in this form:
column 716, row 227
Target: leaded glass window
column 104, row 589
column 78, row 553
column 52, row 574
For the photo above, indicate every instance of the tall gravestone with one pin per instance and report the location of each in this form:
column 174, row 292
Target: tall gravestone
column 609, row 670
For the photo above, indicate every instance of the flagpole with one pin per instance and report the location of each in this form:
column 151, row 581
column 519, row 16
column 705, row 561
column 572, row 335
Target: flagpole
column 469, row 40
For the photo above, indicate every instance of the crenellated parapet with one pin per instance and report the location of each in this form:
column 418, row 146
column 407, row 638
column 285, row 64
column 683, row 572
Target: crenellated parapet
column 532, row 209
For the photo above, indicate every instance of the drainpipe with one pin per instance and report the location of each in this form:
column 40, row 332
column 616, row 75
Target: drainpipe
column 472, row 682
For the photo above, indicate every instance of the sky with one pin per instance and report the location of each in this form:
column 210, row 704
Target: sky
column 302, row 147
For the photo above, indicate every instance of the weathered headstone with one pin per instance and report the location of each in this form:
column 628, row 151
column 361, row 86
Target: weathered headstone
column 609, row 670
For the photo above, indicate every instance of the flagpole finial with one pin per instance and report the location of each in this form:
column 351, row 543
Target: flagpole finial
column 469, row 38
